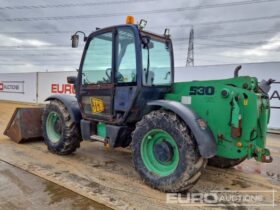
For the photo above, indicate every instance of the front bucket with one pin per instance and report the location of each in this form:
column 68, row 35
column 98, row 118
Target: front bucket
column 25, row 124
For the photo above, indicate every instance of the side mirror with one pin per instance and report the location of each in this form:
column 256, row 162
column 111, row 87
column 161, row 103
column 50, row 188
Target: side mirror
column 151, row 45
column 71, row 79
column 75, row 40
column 146, row 41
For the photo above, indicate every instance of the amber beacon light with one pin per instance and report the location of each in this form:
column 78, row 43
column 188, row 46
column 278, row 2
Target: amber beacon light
column 130, row 20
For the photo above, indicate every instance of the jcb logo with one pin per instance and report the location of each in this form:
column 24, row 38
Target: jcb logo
column 1, row 86
column 97, row 105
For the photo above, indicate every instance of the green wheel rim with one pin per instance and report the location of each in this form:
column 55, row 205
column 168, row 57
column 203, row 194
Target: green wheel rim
column 154, row 141
column 51, row 127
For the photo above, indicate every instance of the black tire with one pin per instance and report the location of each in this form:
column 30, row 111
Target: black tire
column 221, row 162
column 191, row 164
column 70, row 136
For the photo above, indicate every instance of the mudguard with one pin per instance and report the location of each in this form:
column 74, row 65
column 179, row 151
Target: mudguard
column 203, row 135
column 71, row 105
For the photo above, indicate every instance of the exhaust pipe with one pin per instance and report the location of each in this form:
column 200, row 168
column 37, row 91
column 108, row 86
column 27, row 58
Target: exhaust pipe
column 236, row 71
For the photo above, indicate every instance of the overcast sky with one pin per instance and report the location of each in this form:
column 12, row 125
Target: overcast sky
column 35, row 34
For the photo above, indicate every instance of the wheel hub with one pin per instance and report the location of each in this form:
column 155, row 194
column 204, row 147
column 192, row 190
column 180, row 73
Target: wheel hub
column 163, row 151
column 57, row 126
column 53, row 127
column 159, row 152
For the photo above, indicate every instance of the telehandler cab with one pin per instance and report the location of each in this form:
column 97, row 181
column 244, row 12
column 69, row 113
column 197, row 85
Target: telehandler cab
column 126, row 96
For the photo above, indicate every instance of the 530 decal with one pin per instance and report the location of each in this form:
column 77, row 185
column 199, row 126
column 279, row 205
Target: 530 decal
column 202, row 90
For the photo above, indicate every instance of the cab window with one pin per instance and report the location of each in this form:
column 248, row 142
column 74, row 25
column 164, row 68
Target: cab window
column 156, row 60
column 98, row 60
column 126, row 56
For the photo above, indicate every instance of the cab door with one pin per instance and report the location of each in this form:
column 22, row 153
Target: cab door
column 125, row 73
column 96, row 85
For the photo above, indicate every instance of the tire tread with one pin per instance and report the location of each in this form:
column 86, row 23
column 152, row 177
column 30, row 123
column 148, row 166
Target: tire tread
column 71, row 134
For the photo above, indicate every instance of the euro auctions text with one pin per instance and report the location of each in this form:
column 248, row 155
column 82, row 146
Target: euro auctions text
column 62, row 89
column 223, row 198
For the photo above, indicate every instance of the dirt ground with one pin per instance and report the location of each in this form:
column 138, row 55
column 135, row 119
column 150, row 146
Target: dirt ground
column 107, row 176
column 21, row 190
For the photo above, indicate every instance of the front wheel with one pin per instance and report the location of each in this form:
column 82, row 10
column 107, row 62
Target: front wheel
column 61, row 133
column 164, row 153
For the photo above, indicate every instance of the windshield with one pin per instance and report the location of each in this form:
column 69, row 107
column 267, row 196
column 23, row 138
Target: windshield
column 156, row 60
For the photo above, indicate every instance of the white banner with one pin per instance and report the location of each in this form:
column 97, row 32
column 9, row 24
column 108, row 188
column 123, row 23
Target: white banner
column 19, row 87
column 52, row 83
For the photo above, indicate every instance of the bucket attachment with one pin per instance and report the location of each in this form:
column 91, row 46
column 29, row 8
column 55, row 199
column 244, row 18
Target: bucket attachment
column 25, row 124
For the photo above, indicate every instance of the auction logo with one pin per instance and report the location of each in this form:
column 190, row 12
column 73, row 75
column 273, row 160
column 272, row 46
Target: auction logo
column 62, row 89
column 12, row 86
column 224, row 198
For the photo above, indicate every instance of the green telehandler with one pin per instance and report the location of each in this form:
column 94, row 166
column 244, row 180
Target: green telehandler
column 126, row 96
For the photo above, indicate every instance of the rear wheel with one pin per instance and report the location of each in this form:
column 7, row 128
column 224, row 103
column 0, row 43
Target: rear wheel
column 164, row 153
column 221, row 162
column 61, row 133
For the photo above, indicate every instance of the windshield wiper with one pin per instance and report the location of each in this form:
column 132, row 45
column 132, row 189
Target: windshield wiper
column 166, row 76
column 86, row 80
